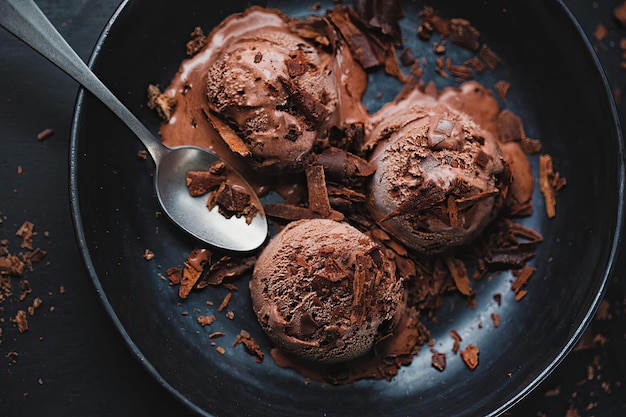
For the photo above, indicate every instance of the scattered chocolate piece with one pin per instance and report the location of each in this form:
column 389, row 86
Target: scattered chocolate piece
column 206, row 320
column 21, row 320
column 197, row 42
column 162, row 103
column 225, row 301
column 489, row 57
column 509, row 126
column 318, row 194
column 462, row 33
column 470, row 356
column 148, row 255
column 550, row 182
column 26, row 232
column 459, row 274
column 45, row 134
column 251, row 345
column 457, row 340
column 502, row 89
column 201, row 182
column 438, row 360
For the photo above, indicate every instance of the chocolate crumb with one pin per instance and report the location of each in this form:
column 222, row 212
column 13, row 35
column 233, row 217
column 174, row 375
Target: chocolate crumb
column 45, row 134
column 206, row 320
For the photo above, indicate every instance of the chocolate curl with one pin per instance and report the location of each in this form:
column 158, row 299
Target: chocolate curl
column 341, row 166
column 383, row 15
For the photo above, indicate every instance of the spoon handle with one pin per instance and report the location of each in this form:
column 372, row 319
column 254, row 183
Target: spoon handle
column 25, row 20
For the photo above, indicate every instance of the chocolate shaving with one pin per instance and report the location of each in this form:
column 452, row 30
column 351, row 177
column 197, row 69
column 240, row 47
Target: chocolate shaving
column 509, row 126
column 521, row 278
column 342, row 166
column 382, row 14
column 228, row 135
column 291, row 212
column 369, row 51
column 318, row 194
column 232, row 201
column 312, row 109
column 461, row 71
column 502, row 88
column 459, row 274
column 465, row 202
column 457, row 340
column 470, row 356
column 462, row 33
column 430, row 194
column 226, row 267
column 162, row 103
column 201, row 182
column 197, row 42
column 250, row 344
column 550, row 182
column 438, row 360
column 489, row 57
column 316, row 29
column 192, row 270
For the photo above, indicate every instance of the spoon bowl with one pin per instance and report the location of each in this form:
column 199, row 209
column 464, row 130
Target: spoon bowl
column 25, row 20
column 192, row 214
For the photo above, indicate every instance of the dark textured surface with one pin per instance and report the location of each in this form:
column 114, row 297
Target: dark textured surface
column 81, row 361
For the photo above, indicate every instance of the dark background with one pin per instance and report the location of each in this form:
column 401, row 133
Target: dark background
column 73, row 362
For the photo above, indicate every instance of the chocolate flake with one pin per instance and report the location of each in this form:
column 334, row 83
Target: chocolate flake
column 509, row 126
column 206, row 320
column 470, row 356
column 438, row 360
column 162, row 103
column 459, row 274
column 318, row 194
column 550, row 182
column 197, row 42
column 489, row 57
column 201, row 182
column 250, row 344
column 462, row 33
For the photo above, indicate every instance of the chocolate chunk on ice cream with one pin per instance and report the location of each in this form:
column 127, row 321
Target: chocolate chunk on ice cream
column 325, row 291
column 440, row 177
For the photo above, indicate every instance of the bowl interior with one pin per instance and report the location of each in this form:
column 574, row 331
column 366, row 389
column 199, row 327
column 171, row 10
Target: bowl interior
column 557, row 89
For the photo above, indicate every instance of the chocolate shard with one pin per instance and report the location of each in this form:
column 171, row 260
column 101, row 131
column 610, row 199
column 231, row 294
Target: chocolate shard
column 318, row 194
column 382, row 14
column 462, row 33
column 316, row 29
column 226, row 267
column 509, row 126
column 313, row 110
column 232, row 201
column 291, row 212
column 201, row 182
column 342, row 166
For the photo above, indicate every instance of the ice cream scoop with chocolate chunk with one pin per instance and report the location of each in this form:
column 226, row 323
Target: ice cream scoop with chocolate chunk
column 440, row 178
column 325, row 291
column 275, row 91
column 269, row 85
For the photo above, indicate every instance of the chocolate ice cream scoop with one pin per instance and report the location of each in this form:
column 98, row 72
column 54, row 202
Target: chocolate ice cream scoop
column 440, row 178
column 276, row 91
column 325, row 291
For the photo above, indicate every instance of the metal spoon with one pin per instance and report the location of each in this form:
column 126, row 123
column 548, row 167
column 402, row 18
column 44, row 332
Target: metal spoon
column 25, row 20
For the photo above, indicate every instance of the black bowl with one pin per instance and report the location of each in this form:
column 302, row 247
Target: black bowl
column 562, row 95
